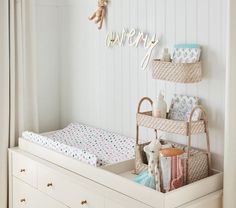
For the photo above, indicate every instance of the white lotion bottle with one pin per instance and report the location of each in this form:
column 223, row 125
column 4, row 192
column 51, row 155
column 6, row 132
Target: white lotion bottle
column 166, row 55
column 159, row 107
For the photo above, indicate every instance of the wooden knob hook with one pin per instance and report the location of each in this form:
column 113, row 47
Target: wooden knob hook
column 83, row 202
column 49, row 184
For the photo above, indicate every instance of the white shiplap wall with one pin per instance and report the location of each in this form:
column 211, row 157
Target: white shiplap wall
column 101, row 86
column 48, row 45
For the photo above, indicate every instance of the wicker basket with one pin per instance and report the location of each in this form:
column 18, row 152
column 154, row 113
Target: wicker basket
column 177, row 72
column 198, row 162
column 146, row 119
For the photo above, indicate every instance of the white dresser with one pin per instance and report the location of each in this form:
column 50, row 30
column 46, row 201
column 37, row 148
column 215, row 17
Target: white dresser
column 37, row 183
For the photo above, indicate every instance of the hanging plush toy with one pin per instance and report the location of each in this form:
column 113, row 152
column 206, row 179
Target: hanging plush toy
column 100, row 14
column 151, row 177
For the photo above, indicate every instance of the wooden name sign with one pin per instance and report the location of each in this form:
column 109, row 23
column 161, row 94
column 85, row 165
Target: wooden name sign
column 133, row 38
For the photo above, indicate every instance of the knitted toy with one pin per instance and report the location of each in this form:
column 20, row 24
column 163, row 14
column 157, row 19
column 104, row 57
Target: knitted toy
column 151, row 177
column 100, row 14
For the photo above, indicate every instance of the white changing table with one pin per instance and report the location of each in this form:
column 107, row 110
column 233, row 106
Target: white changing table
column 44, row 178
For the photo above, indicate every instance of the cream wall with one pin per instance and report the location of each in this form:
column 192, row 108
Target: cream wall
column 48, row 63
column 101, row 86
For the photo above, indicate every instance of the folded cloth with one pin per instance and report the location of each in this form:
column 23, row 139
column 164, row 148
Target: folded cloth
column 144, row 178
column 186, row 53
column 177, row 173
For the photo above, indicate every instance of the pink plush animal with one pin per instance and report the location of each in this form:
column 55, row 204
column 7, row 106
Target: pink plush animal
column 100, row 14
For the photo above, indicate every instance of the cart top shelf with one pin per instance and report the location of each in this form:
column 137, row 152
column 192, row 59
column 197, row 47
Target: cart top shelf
column 146, row 119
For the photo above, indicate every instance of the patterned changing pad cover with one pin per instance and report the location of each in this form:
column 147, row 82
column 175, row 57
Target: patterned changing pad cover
column 87, row 144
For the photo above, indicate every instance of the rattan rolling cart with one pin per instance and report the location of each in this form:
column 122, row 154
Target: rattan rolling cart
column 186, row 128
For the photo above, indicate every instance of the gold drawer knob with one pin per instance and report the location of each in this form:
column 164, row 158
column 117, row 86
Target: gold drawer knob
column 23, row 200
column 22, row 170
column 83, row 202
column 49, row 185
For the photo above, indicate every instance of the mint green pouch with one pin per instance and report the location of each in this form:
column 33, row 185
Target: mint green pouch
column 191, row 45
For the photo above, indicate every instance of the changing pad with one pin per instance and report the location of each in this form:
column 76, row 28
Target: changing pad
column 87, row 144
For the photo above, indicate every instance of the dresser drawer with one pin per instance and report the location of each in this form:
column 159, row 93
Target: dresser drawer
column 25, row 196
column 62, row 188
column 22, row 194
column 24, row 169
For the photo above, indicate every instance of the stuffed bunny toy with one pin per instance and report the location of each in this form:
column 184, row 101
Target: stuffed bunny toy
column 151, row 177
column 100, row 14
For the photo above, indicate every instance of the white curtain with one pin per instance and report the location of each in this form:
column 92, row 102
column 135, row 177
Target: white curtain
column 18, row 94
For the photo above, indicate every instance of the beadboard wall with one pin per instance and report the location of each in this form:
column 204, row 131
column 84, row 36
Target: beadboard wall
column 48, row 64
column 101, row 86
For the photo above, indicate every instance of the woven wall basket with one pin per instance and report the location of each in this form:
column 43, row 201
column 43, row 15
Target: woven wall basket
column 177, row 72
